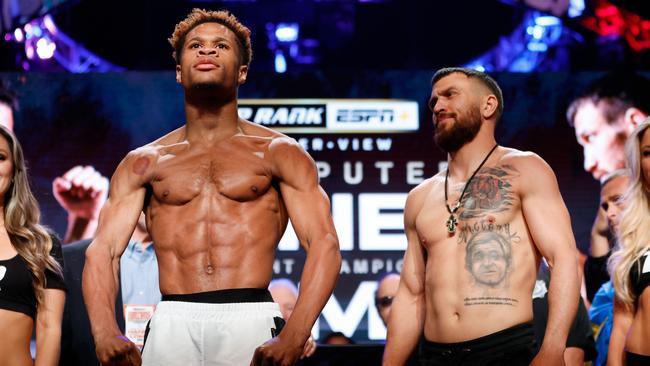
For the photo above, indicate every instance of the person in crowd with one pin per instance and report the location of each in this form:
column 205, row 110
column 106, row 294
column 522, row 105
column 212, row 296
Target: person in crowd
column 629, row 265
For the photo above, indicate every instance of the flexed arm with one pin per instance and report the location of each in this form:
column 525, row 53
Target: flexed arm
column 101, row 271
column 309, row 211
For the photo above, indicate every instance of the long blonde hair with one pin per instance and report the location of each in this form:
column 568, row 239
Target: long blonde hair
column 21, row 215
column 633, row 238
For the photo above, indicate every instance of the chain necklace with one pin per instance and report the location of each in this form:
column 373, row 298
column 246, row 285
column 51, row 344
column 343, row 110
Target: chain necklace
column 452, row 221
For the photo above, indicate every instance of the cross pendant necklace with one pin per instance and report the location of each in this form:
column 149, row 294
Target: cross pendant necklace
column 452, row 221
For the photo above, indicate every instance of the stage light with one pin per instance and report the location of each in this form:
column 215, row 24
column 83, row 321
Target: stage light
column 280, row 62
column 576, row 8
column 28, row 31
column 19, row 36
column 45, row 48
column 287, row 32
column 29, row 51
column 547, row 21
column 48, row 23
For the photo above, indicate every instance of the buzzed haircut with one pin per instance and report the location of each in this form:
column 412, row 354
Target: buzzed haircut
column 615, row 174
column 482, row 77
column 617, row 91
column 223, row 17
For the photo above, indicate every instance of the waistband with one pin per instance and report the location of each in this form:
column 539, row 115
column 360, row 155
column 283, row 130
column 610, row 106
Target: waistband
column 235, row 295
column 518, row 334
column 633, row 359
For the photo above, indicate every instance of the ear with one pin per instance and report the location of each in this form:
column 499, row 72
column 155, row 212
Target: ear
column 178, row 74
column 243, row 74
column 632, row 118
column 489, row 106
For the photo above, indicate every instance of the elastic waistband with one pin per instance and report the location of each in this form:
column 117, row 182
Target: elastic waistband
column 229, row 296
column 521, row 333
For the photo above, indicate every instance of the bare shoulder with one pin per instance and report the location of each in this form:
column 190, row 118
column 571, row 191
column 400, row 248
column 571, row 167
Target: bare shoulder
column 255, row 130
column 141, row 161
column 531, row 168
column 418, row 195
column 420, row 191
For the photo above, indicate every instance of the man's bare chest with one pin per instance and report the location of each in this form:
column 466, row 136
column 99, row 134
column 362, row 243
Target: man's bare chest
column 488, row 202
column 233, row 174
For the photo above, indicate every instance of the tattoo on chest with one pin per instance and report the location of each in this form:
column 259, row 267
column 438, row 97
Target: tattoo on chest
column 488, row 260
column 490, row 191
column 490, row 300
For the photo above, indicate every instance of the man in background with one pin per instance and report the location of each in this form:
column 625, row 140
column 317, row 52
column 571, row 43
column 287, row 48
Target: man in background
column 137, row 297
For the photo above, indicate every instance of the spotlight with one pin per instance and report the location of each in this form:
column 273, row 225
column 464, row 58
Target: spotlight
column 45, row 48
column 287, row 32
column 280, row 62
column 18, row 35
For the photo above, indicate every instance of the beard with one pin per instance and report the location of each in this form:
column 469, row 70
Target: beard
column 463, row 130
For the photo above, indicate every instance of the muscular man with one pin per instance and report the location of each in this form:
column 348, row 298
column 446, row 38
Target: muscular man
column 217, row 194
column 476, row 233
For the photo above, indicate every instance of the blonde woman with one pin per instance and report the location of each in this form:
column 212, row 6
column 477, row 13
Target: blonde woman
column 629, row 264
column 31, row 286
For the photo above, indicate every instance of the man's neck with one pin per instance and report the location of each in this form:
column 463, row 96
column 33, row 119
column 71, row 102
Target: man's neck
column 210, row 117
column 463, row 162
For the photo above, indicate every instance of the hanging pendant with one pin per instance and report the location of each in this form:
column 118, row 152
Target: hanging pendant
column 451, row 224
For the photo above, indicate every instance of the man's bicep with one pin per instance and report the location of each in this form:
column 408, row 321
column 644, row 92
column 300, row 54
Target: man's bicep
column 309, row 211
column 545, row 213
column 307, row 203
column 413, row 269
column 120, row 213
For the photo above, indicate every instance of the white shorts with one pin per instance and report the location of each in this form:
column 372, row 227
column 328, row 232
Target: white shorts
column 183, row 333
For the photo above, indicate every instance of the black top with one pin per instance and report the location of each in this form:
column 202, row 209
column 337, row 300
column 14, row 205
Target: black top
column 16, row 288
column 596, row 274
column 580, row 335
column 642, row 280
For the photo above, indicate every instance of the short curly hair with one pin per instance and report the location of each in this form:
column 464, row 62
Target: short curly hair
column 223, row 17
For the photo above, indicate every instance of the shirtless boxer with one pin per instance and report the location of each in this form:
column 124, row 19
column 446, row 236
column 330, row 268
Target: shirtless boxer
column 217, row 194
column 476, row 233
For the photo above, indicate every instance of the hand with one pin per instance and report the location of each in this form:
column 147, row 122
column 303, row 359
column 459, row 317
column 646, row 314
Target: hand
column 600, row 225
column 309, row 349
column 277, row 352
column 544, row 358
column 81, row 191
column 117, row 351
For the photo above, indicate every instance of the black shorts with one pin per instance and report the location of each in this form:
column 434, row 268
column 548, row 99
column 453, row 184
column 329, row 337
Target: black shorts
column 509, row 347
column 634, row 359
